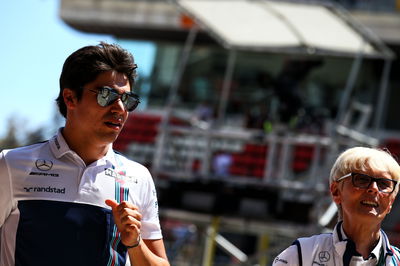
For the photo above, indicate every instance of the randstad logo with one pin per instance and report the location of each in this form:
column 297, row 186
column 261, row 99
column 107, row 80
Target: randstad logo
column 44, row 165
column 45, row 189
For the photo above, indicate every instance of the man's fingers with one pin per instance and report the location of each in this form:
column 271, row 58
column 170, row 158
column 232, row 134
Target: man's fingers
column 129, row 205
column 130, row 220
column 129, row 212
column 132, row 228
column 112, row 203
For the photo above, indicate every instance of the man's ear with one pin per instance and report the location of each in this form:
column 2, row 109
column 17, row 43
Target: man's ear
column 335, row 192
column 69, row 98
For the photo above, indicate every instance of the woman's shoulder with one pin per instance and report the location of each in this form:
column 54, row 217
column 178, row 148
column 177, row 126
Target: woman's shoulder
column 304, row 245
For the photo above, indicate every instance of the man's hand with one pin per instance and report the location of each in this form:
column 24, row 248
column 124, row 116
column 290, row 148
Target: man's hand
column 127, row 218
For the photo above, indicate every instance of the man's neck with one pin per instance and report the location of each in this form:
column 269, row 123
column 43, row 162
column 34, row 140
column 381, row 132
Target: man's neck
column 85, row 147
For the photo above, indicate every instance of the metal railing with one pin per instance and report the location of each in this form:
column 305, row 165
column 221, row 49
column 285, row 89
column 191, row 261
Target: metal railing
column 287, row 161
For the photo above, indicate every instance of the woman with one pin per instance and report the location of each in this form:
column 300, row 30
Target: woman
column 363, row 183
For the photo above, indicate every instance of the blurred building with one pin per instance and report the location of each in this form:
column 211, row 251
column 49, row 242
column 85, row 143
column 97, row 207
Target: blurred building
column 246, row 107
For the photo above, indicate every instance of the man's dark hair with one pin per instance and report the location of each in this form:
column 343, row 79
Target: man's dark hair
column 84, row 65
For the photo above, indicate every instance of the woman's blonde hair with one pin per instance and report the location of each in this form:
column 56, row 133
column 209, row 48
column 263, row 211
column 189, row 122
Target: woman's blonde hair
column 362, row 159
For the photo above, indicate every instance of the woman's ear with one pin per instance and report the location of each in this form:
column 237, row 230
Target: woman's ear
column 335, row 192
column 391, row 204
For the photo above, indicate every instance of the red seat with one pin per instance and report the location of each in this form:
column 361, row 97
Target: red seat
column 250, row 162
column 302, row 157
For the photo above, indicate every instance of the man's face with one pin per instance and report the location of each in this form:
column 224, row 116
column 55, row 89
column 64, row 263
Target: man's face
column 363, row 205
column 101, row 124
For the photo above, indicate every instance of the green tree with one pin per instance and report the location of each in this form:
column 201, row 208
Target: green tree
column 34, row 136
column 10, row 140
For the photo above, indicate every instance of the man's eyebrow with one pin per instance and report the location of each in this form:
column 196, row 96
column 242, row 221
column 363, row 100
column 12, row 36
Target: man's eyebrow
column 114, row 89
column 105, row 86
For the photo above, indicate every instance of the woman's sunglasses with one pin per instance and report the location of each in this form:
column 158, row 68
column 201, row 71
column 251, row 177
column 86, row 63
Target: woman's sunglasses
column 385, row 185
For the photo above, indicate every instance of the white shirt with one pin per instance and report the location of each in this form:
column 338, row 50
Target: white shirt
column 50, row 200
column 329, row 249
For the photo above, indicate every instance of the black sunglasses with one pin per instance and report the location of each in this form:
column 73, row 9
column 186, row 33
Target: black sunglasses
column 107, row 96
column 385, row 185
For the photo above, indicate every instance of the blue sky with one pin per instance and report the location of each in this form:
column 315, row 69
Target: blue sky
column 34, row 44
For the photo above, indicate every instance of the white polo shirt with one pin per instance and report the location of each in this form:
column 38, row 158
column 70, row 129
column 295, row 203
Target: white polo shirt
column 330, row 249
column 52, row 209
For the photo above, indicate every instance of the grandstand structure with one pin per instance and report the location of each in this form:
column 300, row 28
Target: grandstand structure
column 247, row 105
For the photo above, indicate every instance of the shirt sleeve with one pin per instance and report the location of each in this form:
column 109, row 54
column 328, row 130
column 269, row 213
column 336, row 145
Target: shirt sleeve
column 151, row 228
column 6, row 198
column 288, row 257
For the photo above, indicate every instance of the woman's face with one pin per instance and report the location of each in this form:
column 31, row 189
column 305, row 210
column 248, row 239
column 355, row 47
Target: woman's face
column 363, row 205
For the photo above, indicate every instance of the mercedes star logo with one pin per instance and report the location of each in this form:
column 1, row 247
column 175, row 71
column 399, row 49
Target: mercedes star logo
column 324, row 256
column 44, row 165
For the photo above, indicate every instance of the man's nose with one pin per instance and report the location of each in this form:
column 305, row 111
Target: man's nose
column 118, row 105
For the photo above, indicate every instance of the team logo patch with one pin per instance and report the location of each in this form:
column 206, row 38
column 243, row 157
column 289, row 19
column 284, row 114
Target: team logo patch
column 44, row 165
column 48, row 189
column 277, row 259
column 57, row 143
column 120, row 176
column 324, row 256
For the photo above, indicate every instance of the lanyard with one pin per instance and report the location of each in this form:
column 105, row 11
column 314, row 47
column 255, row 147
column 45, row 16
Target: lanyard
column 381, row 260
column 351, row 251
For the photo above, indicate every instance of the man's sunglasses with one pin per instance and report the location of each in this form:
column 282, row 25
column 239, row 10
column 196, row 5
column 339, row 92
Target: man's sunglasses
column 107, row 96
column 385, row 185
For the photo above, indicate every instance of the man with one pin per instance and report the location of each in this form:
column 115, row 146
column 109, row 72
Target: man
column 363, row 183
column 55, row 196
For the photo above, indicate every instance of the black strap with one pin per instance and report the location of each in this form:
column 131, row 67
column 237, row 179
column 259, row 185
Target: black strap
column 297, row 243
column 349, row 252
column 381, row 260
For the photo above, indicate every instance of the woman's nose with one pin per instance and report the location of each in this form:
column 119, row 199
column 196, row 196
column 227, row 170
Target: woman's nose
column 373, row 186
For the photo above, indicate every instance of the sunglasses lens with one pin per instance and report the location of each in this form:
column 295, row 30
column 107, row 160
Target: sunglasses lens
column 361, row 180
column 106, row 96
column 103, row 96
column 131, row 102
column 364, row 181
column 104, row 92
column 385, row 185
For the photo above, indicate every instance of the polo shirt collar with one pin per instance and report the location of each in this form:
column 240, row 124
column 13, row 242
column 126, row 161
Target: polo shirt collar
column 340, row 240
column 59, row 147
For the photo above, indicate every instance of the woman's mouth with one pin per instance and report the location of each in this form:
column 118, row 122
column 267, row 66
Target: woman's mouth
column 369, row 203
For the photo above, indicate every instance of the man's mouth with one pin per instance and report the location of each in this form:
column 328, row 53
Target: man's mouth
column 369, row 203
column 113, row 124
